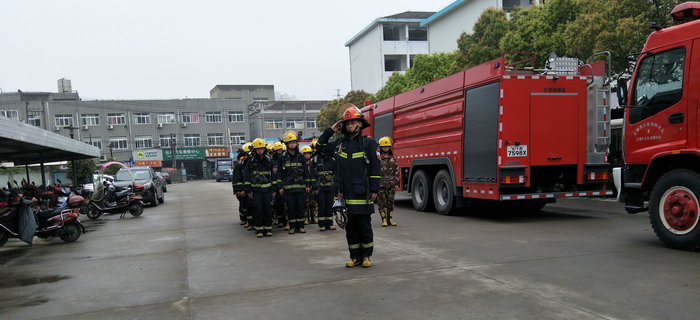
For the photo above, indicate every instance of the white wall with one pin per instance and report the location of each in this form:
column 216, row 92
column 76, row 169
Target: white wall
column 366, row 61
column 443, row 33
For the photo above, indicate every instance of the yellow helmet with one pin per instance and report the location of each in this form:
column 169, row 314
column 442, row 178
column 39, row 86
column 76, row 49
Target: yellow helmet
column 277, row 145
column 259, row 143
column 385, row 142
column 246, row 146
column 284, row 147
column 290, row 137
column 306, row 149
column 269, row 146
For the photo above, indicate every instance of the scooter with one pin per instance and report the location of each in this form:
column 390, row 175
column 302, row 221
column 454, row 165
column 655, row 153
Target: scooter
column 17, row 219
column 115, row 200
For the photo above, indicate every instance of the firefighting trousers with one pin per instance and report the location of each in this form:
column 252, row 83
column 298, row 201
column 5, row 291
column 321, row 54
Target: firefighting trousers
column 262, row 201
column 248, row 209
column 242, row 208
column 358, row 232
column 295, row 207
column 325, row 204
column 385, row 199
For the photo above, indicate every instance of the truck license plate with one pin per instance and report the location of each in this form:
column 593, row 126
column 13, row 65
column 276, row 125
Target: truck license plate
column 517, row 151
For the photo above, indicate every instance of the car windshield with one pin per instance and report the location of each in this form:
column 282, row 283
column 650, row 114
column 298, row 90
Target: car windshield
column 138, row 175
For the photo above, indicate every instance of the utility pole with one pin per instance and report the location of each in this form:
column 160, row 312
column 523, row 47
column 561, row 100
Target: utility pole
column 337, row 93
column 172, row 150
column 111, row 145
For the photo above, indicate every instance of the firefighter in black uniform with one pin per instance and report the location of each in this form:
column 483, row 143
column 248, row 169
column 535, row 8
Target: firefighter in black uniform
column 295, row 184
column 260, row 185
column 358, row 175
column 238, row 190
column 324, row 167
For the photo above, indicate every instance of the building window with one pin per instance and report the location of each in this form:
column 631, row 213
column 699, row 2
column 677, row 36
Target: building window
column 510, row 5
column 164, row 140
column 97, row 142
column 395, row 63
column 142, row 118
column 215, row 139
column 116, row 118
column 295, row 124
column 192, row 140
column 417, row 34
column 64, row 120
column 34, row 120
column 90, row 119
column 238, row 138
column 235, row 116
column 213, row 117
column 12, row 114
column 311, row 123
column 191, row 117
column 260, row 99
column 118, row 143
column 166, row 118
column 274, row 124
column 143, row 142
column 394, row 32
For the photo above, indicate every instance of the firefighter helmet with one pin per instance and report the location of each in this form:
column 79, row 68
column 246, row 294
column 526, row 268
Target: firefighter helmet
column 385, row 142
column 277, row 145
column 290, row 137
column 353, row 113
column 306, row 149
column 340, row 212
column 246, row 146
column 259, row 143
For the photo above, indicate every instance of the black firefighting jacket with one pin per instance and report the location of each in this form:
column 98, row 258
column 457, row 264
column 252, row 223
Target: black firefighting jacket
column 358, row 170
column 237, row 179
column 293, row 173
column 258, row 175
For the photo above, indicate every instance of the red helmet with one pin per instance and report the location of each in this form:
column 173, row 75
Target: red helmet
column 353, row 113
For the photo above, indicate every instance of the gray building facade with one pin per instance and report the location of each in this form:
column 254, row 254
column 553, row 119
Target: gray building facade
column 272, row 120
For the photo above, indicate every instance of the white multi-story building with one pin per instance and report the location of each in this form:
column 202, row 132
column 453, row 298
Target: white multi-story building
column 445, row 26
column 385, row 46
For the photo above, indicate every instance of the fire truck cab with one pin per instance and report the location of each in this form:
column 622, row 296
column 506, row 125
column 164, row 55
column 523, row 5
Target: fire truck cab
column 661, row 138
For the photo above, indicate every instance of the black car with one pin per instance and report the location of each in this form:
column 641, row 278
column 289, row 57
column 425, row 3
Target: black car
column 162, row 179
column 152, row 185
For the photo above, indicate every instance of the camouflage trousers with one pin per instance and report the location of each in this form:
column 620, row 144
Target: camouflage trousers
column 310, row 208
column 385, row 199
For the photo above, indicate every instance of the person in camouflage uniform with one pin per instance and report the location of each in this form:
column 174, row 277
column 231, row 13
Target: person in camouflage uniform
column 388, row 183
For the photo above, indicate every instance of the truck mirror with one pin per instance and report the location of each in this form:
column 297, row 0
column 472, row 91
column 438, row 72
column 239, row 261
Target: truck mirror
column 622, row 91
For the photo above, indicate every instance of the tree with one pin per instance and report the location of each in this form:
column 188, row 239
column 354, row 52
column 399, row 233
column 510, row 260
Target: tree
column 425, row 69
column 484, row 44
column 84, row 169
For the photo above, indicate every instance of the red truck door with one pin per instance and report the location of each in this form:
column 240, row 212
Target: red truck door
column 658, row 119
column 554, row 131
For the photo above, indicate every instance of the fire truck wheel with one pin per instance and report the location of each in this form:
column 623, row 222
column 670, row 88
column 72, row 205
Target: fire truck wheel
column 421, row 190
column 443, row 197
column 673, row 209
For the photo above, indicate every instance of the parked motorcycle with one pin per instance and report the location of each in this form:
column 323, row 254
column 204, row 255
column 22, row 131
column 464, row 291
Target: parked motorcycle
column 112, row 199
column 18, row 220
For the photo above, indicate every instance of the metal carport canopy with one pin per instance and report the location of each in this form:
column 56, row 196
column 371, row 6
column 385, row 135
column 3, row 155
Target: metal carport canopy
column 22, row 143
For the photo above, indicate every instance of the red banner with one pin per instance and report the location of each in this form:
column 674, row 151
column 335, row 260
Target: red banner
column 151, row 163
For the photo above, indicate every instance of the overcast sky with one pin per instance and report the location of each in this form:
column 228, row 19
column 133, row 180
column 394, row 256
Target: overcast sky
column 131, row 49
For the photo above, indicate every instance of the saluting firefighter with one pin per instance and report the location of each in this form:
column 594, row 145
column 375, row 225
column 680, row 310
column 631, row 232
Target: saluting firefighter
column 310, row 199
column 388, row 182
column 324, row 167
column 260, row 184
column 358, row 181
column 295, row 183
column 279, row 207
column 244, row 207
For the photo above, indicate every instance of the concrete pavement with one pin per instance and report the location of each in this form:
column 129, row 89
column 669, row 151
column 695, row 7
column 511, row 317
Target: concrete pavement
column 189, row 259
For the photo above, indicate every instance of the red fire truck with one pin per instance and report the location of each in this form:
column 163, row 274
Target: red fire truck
column 661, row 137
column 496, row 134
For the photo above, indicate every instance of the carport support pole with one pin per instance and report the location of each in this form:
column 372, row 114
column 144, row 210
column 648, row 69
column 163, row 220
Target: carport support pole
column 75, row 174
column 43, row 178
column 26, row 166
